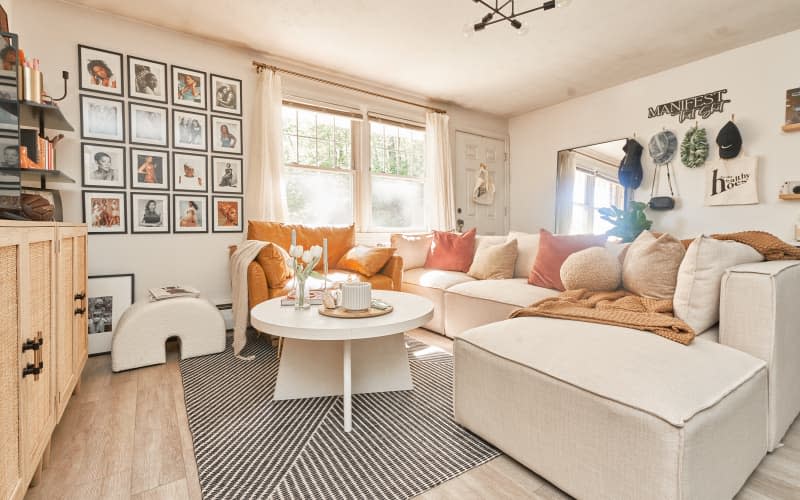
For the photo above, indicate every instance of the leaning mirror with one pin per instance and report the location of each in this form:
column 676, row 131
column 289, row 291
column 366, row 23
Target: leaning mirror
column 587, row 180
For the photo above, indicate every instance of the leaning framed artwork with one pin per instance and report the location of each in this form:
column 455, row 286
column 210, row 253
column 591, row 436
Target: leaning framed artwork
column 105, row 212
column 147, row 80
column 227, row 214
column 100, row 70
column 225, row 95
column 188, row 88
column 107, row 297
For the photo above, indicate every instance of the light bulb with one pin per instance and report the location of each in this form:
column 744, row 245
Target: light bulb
column 524, row 29
column 468, row 30
column 563, row 3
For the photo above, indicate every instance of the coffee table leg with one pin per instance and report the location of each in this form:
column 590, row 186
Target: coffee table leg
column 348, row 391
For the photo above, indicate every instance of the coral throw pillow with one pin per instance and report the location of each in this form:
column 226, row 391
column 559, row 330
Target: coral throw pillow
column 365, row 260
column 553, row 251
column 451, row 251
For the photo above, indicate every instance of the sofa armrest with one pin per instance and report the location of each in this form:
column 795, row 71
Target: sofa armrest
column 394, row 270
column 759, row 315
column 257, row 288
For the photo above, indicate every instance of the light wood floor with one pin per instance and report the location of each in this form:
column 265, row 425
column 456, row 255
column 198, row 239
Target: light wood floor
column 126, row 436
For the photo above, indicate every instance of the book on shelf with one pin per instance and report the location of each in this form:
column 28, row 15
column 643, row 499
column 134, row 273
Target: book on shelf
column 173, row 291
column 40, row 152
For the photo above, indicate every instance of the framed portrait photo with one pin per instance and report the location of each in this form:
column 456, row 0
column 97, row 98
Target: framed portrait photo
column 9, row 150
column 147, row 79
column 226, row 135
column 107, row 297
column 102, row 119
column 190, row 172
column 227, row 214
column 150, row 213
column 105, row 212
column 191, row 213
column 148, row 124
column 225, row 95
column 149, row 169
column 226, row 175
column 188, row 87
column 189, row 130
column 100, row 70
column 102, row 165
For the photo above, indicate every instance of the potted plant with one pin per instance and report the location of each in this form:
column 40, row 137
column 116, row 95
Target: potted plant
column 628, row 223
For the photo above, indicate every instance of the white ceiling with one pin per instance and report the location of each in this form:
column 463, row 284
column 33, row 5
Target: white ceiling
column 418, row 45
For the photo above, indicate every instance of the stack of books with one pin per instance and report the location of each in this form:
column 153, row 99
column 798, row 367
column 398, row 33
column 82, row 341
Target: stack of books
column 173, row 291
column 40, row 152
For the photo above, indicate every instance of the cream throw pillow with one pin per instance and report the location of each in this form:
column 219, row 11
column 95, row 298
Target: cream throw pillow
column 595, row 269
column 494, row 262
column 650, row 268
column 697, row 293
column 413, row 248
column 527, row 248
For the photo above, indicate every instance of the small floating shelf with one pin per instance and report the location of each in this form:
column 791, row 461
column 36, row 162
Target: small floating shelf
column 789, row 197
column 791, row 127
column 41, row 175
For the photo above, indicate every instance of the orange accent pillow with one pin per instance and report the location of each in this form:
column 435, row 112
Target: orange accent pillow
column 365, row 260
column 553, row 251
column 274, row 260
column 451, row 251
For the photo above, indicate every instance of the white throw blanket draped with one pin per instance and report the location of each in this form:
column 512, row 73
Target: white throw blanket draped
column 241, row 258
column 439, row 195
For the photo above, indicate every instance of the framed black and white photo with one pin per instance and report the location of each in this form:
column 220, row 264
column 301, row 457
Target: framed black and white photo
column 105, row 212
column 100, row 70
column 190, row 172
column 148, row 124
column 147, row 79
column 227, row 214
column 189, row 130
column 226, row 135
column 149, row 169
column 150, row 213
column 9, row 150
column 191, row 213
column 107, row 297
column 102, row 165
column 188, row 87
column 226, row 175
column 225, row 95
column 102, row 119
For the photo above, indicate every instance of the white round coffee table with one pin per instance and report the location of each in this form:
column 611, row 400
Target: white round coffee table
column 324, row 356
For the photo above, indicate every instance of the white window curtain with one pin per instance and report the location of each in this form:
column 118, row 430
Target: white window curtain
column 439, row 197
column 265, row 199
column 564, row 189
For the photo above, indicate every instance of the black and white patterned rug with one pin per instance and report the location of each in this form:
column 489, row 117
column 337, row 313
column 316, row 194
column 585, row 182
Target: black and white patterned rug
column 248, row 446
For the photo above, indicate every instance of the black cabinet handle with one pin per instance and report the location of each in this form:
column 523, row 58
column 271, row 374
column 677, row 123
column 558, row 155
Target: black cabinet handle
column 32, row 369
column 32, row 345
column 79, row 311
column 80, row 296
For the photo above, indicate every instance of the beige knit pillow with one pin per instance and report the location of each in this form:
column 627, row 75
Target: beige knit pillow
column 650, row 268
column 494, row 262
column 595, row 269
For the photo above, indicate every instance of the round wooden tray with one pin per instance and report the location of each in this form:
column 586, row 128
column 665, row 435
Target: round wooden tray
column 341, row 312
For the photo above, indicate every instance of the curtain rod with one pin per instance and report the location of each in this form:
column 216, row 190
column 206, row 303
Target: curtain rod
column 262, row 66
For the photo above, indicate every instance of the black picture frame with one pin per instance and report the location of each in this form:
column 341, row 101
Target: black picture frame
column 177, row 180
column 176, row 227
column 123, row 217
column 213, row 135
column 174, row 71
column 176, row 144
column 212, row 95
column 166, row 215
column 239, row 226
column 213, row 176
column 134, row 168
column 82, row 76
column 85, row 168
column 133, row 92
column 132, row 139
column 100, row 342
column 121, row 103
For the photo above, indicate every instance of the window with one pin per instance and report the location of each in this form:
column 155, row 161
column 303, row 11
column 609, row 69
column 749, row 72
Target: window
column 590, row 192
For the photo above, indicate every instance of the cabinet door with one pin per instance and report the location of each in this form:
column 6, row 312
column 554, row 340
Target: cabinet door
column 65, row 311
column 80, row 333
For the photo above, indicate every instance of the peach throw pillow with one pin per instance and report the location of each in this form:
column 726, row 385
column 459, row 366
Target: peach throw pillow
column 365, row 260
column 451, row 251
column 553, row 251
column 275, row 262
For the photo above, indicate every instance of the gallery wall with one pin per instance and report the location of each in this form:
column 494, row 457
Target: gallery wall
column 51, row 31
column 756, row 76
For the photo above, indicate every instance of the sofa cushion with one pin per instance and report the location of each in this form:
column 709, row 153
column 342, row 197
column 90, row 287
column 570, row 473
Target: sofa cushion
column 650, row 268
column 451, row 251
column 340, row 238
column 595, row 269
column 516, row 292
column 413, row 248
column 494, row 261
column 276, row 264
column 365, row 260
column 553, row 251
column 527, row 247
column 435, row 278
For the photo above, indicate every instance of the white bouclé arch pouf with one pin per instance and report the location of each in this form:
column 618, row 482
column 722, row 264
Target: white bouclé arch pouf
column 144, row 328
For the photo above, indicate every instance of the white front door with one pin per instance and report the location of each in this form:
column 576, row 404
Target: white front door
column 472, row 151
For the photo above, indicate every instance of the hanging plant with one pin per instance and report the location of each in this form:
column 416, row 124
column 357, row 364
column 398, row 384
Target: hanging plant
column 694, row 148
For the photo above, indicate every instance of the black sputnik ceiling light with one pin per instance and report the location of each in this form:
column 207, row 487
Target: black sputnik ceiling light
column 506, row 12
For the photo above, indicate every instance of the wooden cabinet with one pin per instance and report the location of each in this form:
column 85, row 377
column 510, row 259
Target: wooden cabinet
column 42, row 348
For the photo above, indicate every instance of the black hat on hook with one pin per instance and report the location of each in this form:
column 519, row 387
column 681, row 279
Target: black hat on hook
column 630, row 170
column 729, row 141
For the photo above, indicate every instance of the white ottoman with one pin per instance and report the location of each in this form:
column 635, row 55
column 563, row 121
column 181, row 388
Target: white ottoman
column 144, row 328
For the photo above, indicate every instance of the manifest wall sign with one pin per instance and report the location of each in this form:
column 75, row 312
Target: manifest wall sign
column 691, row 108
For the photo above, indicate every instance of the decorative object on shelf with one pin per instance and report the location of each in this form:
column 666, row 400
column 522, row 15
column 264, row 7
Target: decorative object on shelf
column 100, row 70
column 689, row 108
column 226, row 135
column 225, row 95
column 227, row 213
column 507, row 12
column 102, row 165
column 189, row 130
column 36, row 207
column 792, row 122
column 630, row 169
column 107, row 298
column 662, row 147
column 226, row 175
column 102, row 119
column 150, row 213
column 188, row 88
column 302, row 271
column 356, row 296
column 190, row 172
column 148, row 125
column 51, row 196
column 147, row 80
column 694, row 148
column 149, row 169
column 732, row 182
column 790, row 191
column 629, row 223
column 105, row 212
column 191, row 213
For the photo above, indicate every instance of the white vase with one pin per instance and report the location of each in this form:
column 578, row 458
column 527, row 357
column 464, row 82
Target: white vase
column 356, row 296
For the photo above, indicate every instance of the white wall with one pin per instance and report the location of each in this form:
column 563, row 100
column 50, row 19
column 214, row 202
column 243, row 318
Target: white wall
column 52, row 30
column 756, row 76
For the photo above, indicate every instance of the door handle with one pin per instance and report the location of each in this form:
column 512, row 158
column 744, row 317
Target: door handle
column 32, row 369
column 79, row 311
column 32, row 345
column 80, row 296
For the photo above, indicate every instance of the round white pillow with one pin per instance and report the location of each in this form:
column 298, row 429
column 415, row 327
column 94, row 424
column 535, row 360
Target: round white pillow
column 595, row 269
